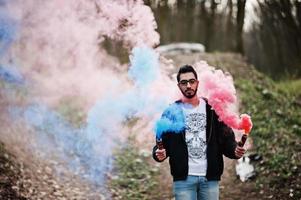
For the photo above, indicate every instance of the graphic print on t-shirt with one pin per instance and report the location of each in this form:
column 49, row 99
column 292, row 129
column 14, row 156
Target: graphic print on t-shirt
column 195, row 124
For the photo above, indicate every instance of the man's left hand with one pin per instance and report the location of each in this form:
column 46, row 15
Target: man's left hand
column 239, row 151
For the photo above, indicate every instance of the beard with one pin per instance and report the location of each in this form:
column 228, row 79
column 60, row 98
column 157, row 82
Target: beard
column 189, row 93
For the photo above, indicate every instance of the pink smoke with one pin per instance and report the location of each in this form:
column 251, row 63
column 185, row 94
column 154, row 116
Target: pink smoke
column 129, row 21
column 219, row 89
column 59, row 45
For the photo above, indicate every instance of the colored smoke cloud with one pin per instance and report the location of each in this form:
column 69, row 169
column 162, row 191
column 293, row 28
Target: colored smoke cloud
column 171, row 120
column 60, row 42
column 56, row 48
column 218, row 88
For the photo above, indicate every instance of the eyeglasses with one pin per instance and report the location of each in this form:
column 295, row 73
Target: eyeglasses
column 185, row 82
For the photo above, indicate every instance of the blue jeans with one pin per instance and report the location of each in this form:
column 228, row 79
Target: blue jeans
column 196, row 188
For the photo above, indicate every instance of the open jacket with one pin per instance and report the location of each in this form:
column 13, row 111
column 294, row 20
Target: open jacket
column 219, row 138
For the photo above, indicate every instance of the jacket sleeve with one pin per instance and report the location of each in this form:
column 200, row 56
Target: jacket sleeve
column 228, row 141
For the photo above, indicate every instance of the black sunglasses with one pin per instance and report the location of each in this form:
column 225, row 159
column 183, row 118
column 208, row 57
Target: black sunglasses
column 185, row 82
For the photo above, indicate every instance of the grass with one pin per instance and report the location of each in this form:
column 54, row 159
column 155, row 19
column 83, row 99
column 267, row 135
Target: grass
column 276, row 133
column 134, row 177
column 290, row 87
column 70, row 109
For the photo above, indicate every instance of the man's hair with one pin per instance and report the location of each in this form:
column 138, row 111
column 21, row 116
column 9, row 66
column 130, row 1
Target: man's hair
column 186, row 69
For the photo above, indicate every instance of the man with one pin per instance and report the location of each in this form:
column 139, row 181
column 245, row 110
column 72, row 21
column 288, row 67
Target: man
column 196, row 152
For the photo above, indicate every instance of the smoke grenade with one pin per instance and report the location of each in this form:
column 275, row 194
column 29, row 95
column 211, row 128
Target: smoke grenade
column 159, row 143
column 243, row 140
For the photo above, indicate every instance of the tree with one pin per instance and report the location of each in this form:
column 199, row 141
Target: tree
column 241, row 4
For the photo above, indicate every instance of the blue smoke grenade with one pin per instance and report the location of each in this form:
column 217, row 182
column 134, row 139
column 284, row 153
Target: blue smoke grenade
column 172, row 120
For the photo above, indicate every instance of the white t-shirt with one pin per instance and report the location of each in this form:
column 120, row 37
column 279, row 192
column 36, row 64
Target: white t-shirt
column 195, row 122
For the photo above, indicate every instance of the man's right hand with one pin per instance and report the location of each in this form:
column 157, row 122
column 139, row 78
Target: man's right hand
column 161, row 154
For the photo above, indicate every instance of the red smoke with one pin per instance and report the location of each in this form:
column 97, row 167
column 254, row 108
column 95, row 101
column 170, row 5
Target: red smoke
column 219, row 89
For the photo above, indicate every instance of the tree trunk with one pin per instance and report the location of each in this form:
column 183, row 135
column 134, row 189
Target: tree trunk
column 298, row 12
column 241, row 4
column 180, row 3
column 230, row 27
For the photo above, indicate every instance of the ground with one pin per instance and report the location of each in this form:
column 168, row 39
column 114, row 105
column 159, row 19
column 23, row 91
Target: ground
column 232, row 188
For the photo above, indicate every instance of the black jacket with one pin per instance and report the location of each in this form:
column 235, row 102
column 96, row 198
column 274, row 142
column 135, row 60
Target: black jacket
column 220, row 141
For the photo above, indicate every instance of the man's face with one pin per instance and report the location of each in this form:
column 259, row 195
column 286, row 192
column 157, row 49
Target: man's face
column 188, row 85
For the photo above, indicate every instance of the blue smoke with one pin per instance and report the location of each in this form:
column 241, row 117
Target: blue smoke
column 11, row 75
column 8, row 30
column 143, row 71
column 144, row 66
column 88, row 150
column 172, row 120
column 108, row 112
column 54, row 134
